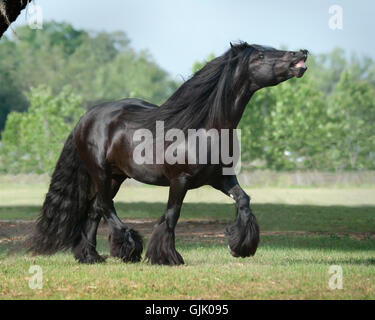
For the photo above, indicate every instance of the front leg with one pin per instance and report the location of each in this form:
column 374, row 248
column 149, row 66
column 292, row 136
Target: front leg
column 243, row 234
column 161, row 248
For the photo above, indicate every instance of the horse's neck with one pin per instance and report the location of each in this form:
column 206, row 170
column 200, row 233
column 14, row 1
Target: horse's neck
column 237, row 106
column 240, row 106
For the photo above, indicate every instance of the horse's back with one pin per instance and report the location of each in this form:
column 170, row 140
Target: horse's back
column 120, row 105
column 99, row 123
column 107, row 113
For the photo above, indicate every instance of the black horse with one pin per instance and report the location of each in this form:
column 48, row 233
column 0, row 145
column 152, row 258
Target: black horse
column 99, row 155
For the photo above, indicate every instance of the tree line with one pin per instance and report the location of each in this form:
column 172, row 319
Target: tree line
column 49, row 78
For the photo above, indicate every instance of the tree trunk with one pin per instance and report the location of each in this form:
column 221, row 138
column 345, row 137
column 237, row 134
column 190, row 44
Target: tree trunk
column 9, row 11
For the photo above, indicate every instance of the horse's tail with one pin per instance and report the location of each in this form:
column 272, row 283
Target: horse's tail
column 59, row 225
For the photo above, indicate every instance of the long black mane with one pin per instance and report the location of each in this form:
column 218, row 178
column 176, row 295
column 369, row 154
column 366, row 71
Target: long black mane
column 204, row 99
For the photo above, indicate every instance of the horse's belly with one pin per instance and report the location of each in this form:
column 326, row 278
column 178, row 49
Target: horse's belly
column 146, row 173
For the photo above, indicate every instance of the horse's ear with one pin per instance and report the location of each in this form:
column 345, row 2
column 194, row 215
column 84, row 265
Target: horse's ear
column 234, row 48
column 237, row 47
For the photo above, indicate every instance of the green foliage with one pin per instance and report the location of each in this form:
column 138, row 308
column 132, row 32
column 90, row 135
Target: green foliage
column 351, row 114
column 295, row 126
column 98, row 66
column 11, row 97
column 135, row 76
column 33, row 140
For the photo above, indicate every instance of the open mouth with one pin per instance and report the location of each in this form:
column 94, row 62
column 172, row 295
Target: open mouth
column 299, row 67
column 300, row 64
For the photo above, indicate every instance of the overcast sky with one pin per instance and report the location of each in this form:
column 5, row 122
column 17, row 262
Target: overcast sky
column 179, row 32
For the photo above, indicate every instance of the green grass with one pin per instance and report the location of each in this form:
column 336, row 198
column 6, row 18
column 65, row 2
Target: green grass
column 289, row 265
column 13, row 194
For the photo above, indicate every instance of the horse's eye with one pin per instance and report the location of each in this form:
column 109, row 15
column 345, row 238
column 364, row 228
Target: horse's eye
column 261, row 56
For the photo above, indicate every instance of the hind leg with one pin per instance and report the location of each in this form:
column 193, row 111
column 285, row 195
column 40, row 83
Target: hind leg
column 85, row 250
column 125, row 243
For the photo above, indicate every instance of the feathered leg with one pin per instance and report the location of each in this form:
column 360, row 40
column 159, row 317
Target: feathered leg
column 243, row 233
column 161, row 247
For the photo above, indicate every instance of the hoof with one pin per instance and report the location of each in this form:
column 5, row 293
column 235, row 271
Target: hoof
column 243, row 236
column 126, row 244
column 161, row 248
column 87, row 255
column 232, row 252
column 92, row 259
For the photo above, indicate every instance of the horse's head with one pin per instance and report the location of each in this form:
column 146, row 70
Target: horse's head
column 268, row 66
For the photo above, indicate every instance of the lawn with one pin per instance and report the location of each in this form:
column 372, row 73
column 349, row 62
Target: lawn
column 303, row 233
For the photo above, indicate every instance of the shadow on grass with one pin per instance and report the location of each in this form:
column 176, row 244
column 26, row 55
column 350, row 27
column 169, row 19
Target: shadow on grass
column 284, row 250
column 271, row 217
column 296, row 250
column 271, row 252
